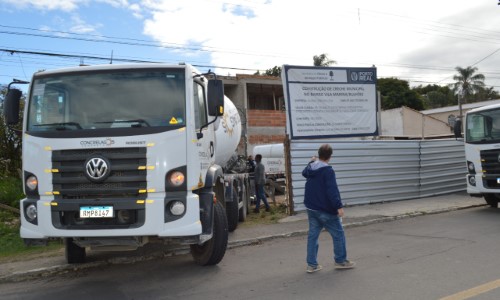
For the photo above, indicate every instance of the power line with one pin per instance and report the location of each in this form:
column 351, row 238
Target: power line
column 100, row 58
column 125, row 41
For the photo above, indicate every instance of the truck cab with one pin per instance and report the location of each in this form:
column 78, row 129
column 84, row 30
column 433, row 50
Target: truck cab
column 116, row 155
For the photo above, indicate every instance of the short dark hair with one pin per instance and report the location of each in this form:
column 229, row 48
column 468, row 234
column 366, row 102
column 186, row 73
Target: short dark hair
column 325, row 152
column 258, row 158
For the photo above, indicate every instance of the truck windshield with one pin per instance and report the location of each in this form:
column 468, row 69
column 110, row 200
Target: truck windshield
column 104, row 100
column 483, row 127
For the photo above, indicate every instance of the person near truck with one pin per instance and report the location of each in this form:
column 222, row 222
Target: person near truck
column 324, row 210
column 250, row 164
column 260, row 181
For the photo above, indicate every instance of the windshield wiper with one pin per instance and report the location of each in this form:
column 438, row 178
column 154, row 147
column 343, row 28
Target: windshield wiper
column 61, row 126
column 139, row 121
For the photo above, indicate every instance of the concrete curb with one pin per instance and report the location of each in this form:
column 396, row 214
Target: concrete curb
column 63, row 269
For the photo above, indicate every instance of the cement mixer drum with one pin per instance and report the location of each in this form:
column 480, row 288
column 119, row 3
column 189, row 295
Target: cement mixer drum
column 228, row 133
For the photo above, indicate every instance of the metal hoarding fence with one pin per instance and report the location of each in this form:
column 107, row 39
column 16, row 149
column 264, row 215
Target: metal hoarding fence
column 377, row 171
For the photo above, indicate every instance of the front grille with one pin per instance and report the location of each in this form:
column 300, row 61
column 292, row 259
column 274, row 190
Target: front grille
column 490, row 162
column 120, row 189
column 124, row 181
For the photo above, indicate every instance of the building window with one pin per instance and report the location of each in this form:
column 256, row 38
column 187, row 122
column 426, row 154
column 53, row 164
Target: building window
column 265, row 97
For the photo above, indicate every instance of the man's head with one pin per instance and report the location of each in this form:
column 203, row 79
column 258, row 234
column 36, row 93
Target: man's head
column 325, row 152
column 250, row 157
column 258, row 158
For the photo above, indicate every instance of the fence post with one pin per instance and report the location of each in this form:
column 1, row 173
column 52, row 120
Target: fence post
column 288, row 176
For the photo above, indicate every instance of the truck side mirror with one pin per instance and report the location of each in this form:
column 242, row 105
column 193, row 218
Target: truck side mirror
column 457, row 129
column 215, row 96
column 11, row 106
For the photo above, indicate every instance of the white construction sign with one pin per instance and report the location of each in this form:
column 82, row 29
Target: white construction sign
column 324, row 102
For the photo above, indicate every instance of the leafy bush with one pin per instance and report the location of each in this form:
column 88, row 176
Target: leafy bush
column 11, row 191
column 10, row 142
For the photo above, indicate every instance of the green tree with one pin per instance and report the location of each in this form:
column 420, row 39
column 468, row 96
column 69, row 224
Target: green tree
column 435, row 96
column 486, row 93
column 467, row 83
column 322, row 60
column 274, row 71
column 10, row 142
column 396, row 93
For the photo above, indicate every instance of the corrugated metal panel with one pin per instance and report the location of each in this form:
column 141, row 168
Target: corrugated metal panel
column 443, row 167
column 377, row 171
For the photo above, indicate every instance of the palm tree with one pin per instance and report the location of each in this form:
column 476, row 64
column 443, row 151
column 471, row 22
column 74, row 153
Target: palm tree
column 322, row 60
column 467, row 83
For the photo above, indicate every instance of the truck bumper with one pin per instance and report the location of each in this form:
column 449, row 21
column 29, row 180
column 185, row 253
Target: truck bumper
column 154, row 223
column 475, row 186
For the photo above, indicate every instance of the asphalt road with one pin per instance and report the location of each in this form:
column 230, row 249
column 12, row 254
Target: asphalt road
column 454, row 255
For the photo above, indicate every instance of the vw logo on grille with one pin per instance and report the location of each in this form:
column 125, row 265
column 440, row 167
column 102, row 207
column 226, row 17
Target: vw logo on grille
column 97, row 169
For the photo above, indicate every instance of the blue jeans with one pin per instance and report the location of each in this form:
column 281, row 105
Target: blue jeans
column 317, row 221
column 260, row 195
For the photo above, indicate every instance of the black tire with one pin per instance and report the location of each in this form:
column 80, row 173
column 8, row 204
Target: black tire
column 213, row 250
column 491, row 199
column 269, row 189
column 232, row 211
column 242, row 213
column 74, row 253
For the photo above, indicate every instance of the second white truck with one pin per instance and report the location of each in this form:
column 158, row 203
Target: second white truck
column 482, row 152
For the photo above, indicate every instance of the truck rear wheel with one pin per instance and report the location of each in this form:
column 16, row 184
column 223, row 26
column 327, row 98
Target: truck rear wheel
column 74, row 253
column 212, row 251
column 491, row 199
column 232, row 211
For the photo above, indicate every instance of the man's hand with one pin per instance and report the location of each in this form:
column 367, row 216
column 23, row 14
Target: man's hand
column 341, row 212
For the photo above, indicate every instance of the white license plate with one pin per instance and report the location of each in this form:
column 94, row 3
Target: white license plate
column 96, row 212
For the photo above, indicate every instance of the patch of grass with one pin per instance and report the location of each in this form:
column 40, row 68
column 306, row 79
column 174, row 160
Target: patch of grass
column 277, row 213
column 12, row 245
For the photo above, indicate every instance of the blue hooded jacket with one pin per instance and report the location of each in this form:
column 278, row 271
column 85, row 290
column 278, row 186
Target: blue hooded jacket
column 322, row 192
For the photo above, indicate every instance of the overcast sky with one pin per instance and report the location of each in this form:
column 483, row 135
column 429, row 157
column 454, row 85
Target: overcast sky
column 420, row 41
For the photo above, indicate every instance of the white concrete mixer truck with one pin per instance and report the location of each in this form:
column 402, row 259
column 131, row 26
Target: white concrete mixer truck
column 116, row 156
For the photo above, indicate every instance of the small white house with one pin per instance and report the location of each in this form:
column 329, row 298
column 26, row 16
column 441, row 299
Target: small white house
column 405, row 122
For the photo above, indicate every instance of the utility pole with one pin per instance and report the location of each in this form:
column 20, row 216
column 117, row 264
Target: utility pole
column 460, row 105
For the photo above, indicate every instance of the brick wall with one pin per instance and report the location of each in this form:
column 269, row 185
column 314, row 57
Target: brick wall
column 257, row 139
column 266, row 118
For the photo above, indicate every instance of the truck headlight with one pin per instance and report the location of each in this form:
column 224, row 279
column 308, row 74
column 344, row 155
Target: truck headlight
column 177, row 208
column 470, row 167
column 31, row 212
column 32, row 183
column 176, row 178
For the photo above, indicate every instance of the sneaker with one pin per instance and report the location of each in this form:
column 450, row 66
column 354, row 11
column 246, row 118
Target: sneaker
column 312, row 269
column 347, row 264
column 268, row 209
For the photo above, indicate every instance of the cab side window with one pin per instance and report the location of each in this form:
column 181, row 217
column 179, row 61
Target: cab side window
column 200, row 105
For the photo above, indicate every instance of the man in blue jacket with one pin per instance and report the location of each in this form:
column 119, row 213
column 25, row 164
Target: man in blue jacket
column 324, row 210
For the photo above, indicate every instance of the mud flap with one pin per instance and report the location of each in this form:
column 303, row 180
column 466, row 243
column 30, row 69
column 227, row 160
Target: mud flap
column 206, row 211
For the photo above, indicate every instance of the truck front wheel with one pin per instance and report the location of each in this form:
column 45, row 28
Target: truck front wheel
column 491, row 199
column 212, row 251
column 74, row 253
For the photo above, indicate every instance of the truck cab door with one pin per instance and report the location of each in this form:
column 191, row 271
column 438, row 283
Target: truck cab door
column 205, row 141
